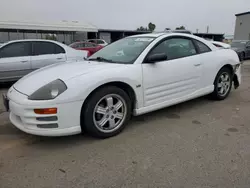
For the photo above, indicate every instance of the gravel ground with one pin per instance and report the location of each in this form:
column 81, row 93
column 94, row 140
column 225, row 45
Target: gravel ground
column 200, row 143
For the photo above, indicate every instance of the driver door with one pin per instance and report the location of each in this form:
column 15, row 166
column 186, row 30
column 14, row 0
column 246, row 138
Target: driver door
column 175, row 78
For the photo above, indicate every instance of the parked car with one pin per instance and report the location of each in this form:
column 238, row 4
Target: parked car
column 20, row 57
column 242, row 47
column 221, row 45
column 98, row 96
column 98, row 41
column 87, row 46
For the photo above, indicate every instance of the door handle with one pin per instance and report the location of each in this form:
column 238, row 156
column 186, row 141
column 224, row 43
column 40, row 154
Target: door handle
column 197, row 64
column 25, row 61
column 59, row 58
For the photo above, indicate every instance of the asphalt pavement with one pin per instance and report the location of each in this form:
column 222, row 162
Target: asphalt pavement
column 200, row 143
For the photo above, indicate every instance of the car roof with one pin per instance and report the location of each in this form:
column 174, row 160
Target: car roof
column 95, row 39
column 35, row 40
column 156, row 35
column 79, row 42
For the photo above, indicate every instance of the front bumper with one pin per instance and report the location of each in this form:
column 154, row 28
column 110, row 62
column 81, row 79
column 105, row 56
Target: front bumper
column 237, row 77
column 65, row 122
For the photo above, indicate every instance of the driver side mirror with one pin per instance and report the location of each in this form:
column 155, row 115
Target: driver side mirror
column 156, row 58
column 248, row 47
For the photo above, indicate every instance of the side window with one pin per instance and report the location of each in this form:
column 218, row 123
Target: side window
column 59, row 50
column 100, row 42
column 17, row 49
column 43, row 48
column 90, row 45
column 202, row 47
column 175, row 48
column 93, row 41
column 81, row 45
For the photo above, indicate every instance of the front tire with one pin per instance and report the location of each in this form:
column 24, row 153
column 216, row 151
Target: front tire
column 222, row 84
column 106, row 112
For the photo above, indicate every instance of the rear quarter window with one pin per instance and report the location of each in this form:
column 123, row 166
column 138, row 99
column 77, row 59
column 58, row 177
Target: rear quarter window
column 202, row 48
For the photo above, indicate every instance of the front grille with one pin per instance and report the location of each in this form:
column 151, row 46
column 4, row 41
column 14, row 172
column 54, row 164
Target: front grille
column 47, row 126
column 51, row 118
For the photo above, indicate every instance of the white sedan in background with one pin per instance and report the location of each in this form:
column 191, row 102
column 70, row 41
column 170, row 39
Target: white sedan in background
column 20, row 57
column 99, row 95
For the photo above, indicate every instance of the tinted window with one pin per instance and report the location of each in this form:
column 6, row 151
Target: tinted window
column 202, row 47
column 17, row 49
column 43, row 48
column 59, row 49
column 175, row 48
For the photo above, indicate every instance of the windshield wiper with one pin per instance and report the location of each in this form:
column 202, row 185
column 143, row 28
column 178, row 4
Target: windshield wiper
column 100, row 59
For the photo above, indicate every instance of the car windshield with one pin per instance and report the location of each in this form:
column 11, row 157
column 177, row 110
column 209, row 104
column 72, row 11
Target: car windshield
column 238, row 44
column 124, row 51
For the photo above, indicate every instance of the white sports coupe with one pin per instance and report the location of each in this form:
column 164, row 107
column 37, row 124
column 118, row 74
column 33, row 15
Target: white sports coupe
column 134, row 75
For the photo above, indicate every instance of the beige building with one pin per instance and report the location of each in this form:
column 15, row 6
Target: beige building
column 242, row 26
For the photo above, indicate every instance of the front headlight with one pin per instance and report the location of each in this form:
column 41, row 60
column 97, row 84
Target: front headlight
column 49, row 91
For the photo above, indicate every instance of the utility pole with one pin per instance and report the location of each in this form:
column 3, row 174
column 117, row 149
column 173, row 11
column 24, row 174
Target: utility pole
column 207, row 29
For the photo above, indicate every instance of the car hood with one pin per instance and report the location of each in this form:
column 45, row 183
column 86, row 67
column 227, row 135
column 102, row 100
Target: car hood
column 65, row 71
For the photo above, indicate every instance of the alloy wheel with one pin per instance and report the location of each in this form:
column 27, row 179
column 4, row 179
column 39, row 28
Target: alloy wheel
column 223, row 85
column 110, row 113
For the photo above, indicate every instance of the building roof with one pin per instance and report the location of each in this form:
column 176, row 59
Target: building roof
column 220, row 34
column 120, row 30
column 63, row 25
column 243, row 13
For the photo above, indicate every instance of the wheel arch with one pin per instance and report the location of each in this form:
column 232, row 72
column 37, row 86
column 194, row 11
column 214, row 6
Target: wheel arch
column 230, row 67
column 122, row 85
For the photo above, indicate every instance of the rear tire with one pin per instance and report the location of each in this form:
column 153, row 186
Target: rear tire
column 106, row 112
column 222, row 84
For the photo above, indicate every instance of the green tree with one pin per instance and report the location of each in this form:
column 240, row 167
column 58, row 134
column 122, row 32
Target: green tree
column 142, row 28
column 180, row 28
column 151, row 26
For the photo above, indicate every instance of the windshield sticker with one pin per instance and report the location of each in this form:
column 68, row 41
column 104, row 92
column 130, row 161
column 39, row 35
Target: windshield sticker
column 144, row 39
